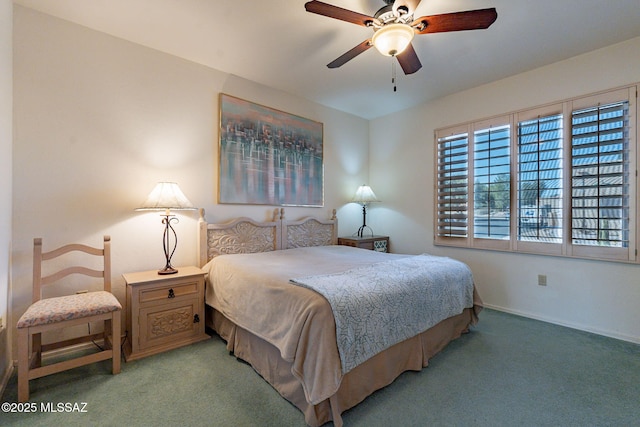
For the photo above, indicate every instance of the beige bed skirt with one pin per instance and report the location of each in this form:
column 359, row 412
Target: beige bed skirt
column 374, row 374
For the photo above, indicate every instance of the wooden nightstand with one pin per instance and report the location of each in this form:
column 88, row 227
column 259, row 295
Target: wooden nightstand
column 375, row 243
column 163, row 311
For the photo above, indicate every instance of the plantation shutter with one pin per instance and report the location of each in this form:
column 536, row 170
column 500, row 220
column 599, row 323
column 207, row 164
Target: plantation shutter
column 492, row 182
column 540, row 179
column 453, row 182
column 600, row 176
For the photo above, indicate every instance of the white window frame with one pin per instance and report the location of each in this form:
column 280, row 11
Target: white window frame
column 566, row 248
column 452, row 131
column 541, row 247
column 481, row 242
column 618, row 254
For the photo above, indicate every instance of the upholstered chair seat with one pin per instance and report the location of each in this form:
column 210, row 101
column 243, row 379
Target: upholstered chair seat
column 57, row 309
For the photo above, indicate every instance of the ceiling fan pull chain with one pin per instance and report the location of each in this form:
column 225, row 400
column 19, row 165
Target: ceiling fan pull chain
column 393, row 74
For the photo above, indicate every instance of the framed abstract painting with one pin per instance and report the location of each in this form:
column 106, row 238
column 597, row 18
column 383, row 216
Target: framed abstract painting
column 268, row 157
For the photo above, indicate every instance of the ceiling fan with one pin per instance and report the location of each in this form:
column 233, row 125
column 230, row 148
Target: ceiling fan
column 394, row 28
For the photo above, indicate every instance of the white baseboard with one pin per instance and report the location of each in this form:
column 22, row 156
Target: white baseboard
column 579, row 327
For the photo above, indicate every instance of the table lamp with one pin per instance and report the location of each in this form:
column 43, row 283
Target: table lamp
column 167, row 196
column 364, row 195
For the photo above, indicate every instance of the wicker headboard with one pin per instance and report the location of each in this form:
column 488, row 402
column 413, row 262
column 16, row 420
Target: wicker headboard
column 244, row 235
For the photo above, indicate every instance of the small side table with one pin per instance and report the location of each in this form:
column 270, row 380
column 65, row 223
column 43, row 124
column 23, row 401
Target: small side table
column 163, row 311
column 374, row 243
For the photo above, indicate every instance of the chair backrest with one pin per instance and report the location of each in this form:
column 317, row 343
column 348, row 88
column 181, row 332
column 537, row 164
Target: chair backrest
column 39, row 257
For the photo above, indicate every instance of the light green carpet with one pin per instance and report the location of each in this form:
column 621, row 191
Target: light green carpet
column 509, row 371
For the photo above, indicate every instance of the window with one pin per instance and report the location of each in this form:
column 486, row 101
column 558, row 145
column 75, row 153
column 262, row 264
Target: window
column 540, row 179
column 452, row 182
column 602, row 143
column 565, row 186
column 491, row 181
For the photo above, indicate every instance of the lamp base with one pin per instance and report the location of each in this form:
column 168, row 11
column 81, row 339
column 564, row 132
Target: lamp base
column 364, row 222
column 168, row 270
column 168, row 252
column 362, row 229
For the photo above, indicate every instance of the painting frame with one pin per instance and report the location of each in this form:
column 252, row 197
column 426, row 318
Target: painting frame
column 267, row 156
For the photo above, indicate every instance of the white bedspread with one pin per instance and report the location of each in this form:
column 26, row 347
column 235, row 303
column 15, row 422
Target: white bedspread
column 379, row 305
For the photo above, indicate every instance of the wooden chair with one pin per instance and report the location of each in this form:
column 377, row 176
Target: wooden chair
column 65, row 311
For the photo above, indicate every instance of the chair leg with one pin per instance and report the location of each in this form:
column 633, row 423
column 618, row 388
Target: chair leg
column 23, row 364
column 106, row 333
column 115, row 342
column 36, row 349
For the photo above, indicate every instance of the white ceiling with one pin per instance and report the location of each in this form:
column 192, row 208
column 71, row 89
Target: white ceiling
column 278, row 44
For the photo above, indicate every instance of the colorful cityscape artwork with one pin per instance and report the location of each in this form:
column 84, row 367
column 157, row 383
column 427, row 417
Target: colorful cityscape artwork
column 268, row 157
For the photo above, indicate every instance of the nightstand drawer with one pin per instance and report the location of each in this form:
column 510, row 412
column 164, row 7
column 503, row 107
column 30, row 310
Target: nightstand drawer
column 152, row 293
column 373, row 243
column 162, row 324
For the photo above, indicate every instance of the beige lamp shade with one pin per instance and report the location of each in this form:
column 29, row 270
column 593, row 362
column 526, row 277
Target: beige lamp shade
column 365, row 195
column 165, row 196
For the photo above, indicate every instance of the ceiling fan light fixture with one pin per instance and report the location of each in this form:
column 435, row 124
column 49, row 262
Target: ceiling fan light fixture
column 393, row 39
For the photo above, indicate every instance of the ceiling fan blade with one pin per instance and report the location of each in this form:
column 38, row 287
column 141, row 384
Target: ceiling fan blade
column 348, row 56
column 457, row 21
column 409, row 60
column 410, row 5
column 336, row 12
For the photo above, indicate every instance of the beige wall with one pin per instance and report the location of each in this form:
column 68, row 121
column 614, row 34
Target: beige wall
column 596, row 296
column 98, row 121
column 6, row 130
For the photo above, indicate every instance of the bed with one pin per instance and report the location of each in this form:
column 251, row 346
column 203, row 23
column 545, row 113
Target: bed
column 275, row 292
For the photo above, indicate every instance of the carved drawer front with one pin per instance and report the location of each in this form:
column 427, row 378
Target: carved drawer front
column 166, row 293
column 161, row 324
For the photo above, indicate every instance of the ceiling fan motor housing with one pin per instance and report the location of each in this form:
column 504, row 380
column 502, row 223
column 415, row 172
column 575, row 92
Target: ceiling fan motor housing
column 386, row 15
